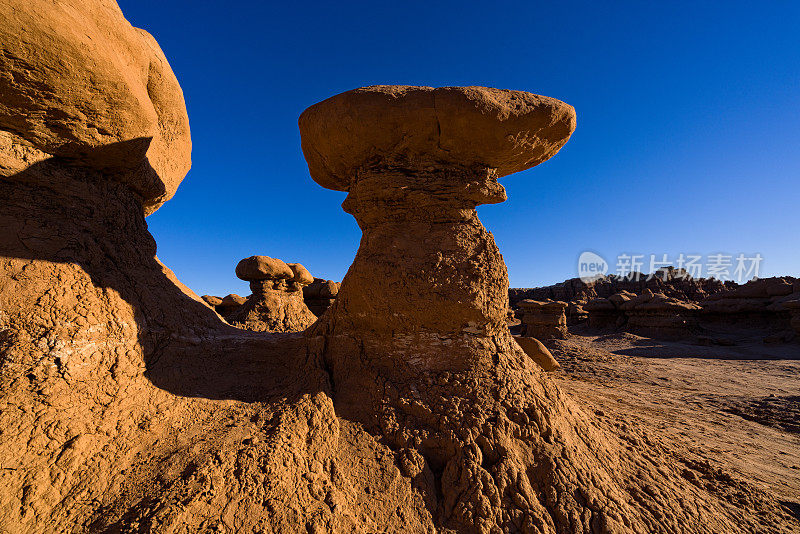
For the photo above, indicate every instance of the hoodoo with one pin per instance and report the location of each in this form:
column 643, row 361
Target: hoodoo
column 417, row 342
column 276, row 304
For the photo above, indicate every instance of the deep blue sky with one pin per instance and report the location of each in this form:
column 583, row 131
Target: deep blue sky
column 688, row 137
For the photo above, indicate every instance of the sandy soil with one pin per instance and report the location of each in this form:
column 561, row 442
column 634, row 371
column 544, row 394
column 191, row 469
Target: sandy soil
column 732, row 409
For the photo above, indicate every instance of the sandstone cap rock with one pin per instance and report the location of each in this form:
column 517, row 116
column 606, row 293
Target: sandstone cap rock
column 497, row 128
column 262, row 268
column 79, row 82
column 301, row 275
column 554, row 306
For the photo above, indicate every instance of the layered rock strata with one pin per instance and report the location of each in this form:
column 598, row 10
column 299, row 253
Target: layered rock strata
column 544, row 319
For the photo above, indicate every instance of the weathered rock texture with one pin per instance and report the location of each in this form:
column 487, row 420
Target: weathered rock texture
column 417, row 343
column 544, row 319
column 276, row 303
column 320, row 294
column 80, row 83
column 126, row 404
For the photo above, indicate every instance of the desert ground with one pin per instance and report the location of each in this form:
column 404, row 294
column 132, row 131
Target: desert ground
column 724, row 411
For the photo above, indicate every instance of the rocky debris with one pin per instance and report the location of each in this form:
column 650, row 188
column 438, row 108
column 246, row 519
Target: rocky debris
column 276, row 304
column 320, row 294
column 417, row 341
column 544, row 319
column 537, row 352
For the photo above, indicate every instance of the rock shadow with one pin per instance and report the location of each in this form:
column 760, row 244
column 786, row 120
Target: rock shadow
column 57, row 216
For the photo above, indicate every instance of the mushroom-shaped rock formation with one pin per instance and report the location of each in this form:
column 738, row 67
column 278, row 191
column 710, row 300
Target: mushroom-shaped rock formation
column 276, row 304
column 417, row 342
column 416, row 161
column 257, row 268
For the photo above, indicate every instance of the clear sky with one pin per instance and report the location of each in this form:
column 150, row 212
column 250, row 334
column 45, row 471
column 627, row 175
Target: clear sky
column 688, row 137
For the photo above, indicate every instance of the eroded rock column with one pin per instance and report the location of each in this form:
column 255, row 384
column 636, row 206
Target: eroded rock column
column 416, row 344
column 276, row 303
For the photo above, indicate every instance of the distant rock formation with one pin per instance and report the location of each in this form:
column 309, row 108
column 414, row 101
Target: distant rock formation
column 765, row 303
column 276, row 303
column 668, row 281
column 229, row 304
column 793, row 306
column 544, row 319
column 320, row 294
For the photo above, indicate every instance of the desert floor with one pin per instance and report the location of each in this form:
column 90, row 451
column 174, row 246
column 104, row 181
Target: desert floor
column 735, row 410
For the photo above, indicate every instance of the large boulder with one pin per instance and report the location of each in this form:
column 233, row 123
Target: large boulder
column 537, row 352
column 82, row 84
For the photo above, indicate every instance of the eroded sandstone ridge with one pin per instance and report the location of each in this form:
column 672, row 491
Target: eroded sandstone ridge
column 128, row 405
